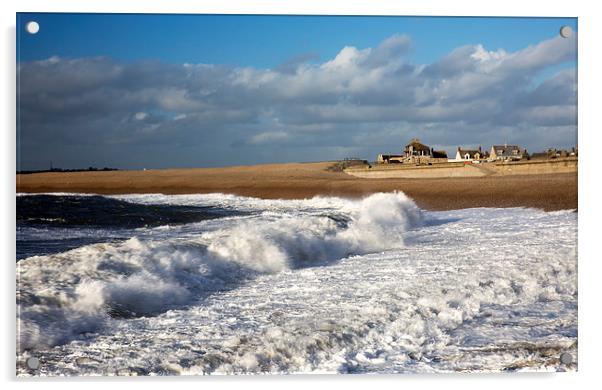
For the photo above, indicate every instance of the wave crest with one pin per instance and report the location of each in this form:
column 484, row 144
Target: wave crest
column 63, row 296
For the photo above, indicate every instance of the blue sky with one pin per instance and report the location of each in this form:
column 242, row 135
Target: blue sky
column 264, row 43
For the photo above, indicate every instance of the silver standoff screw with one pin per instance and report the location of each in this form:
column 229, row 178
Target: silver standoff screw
column 33, row 363
column 566, row 31
column 566, row 358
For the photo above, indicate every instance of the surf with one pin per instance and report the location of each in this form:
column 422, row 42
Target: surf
column 66, row 295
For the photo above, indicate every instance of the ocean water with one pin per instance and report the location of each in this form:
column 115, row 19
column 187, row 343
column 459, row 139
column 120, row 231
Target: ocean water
column 221, row 284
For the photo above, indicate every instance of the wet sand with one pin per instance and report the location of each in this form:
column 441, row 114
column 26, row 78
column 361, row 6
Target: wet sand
column 305, row 180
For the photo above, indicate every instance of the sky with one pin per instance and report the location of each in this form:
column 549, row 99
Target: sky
column 136, row 91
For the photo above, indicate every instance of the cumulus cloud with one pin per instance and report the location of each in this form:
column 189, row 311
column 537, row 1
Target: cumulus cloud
column 269, row 137
column 98, row 111
column 140, row 116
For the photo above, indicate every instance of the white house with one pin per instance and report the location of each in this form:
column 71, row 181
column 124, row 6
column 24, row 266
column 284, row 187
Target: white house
column 468, row 154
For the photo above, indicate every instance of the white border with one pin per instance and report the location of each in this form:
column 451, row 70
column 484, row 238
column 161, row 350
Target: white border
column 589, row 212
column 311, row 7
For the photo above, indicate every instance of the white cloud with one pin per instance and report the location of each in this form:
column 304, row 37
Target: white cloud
column 269, row 137
column 483, row 55
column 466, row 97
column 140, row 116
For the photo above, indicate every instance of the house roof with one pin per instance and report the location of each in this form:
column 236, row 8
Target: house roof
column 504, row 147
column 507, row 150
column 415, row 142
column 471, row 152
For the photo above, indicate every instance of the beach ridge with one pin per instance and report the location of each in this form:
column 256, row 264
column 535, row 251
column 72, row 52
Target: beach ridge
column 306, row 180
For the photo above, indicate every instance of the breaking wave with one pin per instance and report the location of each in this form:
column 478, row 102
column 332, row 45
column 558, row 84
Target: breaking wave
column 68, row 295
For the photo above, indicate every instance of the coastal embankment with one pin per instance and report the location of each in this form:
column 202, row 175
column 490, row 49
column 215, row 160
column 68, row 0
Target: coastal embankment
column 462, row 169
column 554, row 190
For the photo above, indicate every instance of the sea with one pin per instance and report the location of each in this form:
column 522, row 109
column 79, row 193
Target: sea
column 221, row 284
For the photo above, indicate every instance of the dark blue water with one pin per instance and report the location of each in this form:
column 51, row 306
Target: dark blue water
column 49, row 224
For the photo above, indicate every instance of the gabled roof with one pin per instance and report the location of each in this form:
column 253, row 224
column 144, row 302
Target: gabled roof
column 469, row 151
column 417, row 145
column 504, row 147
column 507, row 150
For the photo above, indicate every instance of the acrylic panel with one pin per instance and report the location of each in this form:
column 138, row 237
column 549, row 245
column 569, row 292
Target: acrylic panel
column 263, row 194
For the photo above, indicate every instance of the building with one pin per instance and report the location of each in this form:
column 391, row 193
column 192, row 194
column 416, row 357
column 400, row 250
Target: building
column 442, row 154
column 506, row 152
column 414, row 153
column 418, row 153
column 469, row 154
column 540, row 156
column 554, row 153
column 415, row 149
column 390, row 158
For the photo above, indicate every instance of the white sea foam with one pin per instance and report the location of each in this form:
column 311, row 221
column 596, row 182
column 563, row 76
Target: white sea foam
column 275, row 291
column 62, row 296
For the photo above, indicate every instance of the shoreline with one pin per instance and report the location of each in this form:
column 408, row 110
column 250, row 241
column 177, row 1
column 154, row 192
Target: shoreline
column 556, row 191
